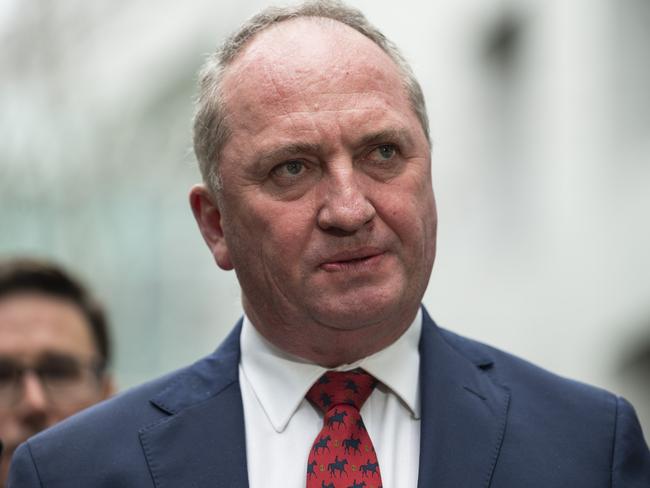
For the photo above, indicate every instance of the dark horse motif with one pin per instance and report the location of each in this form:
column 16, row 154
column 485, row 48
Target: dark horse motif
column 322, row 444
column 337, row 466
column 337, row 418
column 325, row 399
column 323, row 485
column 357, row 485
column 310, row 469
column 353, row 444
column 369, row 468
column 351, row 385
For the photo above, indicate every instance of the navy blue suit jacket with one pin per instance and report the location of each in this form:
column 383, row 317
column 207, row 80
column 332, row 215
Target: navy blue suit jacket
column 488, row 420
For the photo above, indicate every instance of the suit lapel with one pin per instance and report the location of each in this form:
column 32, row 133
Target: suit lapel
column 202, row 442
column 463, row 413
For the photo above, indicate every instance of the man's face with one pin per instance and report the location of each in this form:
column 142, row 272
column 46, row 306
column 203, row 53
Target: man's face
column 51, row 336
column 327, row 211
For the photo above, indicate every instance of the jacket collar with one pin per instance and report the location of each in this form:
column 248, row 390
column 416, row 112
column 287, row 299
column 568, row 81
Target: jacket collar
column 463, row 411
column 202, row 443
column 203, row 379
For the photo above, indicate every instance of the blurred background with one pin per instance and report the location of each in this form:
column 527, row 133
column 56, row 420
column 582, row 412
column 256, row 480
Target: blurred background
column 540, row 116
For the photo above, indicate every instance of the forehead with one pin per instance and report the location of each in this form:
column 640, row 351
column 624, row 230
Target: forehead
column 307, row 65
column 32, row 324
column 310, row 44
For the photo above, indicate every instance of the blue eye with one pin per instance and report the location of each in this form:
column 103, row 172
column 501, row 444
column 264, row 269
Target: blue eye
column 289, row 168
column 294, row 167
column 386, row 151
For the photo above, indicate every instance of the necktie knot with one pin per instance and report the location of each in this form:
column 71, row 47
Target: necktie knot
column 341, row 388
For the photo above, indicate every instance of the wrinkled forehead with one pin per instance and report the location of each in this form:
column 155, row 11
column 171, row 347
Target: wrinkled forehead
column 308, row 56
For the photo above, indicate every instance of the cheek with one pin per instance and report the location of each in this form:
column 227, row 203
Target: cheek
column 288, row 238
column 57, row 415
column 406, row 216
column 277, row 232
column 85, row 400
column 411, row 215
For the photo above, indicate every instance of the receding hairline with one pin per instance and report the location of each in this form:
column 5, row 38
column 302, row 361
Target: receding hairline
column 272, row 17
column 256, row 51
column 279, row 28
column 211, row 132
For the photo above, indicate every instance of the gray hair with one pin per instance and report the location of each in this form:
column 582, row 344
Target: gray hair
column 210, row 130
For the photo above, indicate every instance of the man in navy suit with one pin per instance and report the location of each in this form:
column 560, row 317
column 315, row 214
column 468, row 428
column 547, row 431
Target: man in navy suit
column 312, row 138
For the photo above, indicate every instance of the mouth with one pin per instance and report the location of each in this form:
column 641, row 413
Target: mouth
column 356, row 260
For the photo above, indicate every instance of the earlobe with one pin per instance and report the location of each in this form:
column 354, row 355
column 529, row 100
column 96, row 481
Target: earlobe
column 208, row 217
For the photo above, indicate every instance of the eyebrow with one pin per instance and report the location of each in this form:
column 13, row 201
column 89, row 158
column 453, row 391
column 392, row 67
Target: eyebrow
column 287, row 151
column 290, row 150
column 387, row 135
column 57, row 356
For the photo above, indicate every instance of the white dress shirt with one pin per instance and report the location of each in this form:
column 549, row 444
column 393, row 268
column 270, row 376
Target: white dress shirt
column 281, row 424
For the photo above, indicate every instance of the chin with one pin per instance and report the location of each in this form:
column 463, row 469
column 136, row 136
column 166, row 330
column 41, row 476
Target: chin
column 356, row 314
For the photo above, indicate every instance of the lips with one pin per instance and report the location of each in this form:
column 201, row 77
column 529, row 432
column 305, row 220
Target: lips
column 353, row 259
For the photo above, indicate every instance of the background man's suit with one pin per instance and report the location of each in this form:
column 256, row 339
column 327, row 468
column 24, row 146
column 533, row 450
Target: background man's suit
column 488, row 420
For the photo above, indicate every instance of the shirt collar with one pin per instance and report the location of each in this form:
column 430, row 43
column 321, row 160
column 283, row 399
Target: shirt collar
column 280, row 381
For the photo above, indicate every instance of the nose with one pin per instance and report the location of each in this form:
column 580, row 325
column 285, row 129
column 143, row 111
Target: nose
column 34, row 398
column 346, row 207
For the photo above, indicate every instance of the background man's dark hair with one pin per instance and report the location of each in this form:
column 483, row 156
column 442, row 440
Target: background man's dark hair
column 24, row 275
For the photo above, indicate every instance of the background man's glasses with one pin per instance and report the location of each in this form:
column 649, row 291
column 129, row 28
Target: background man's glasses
column 64, row 379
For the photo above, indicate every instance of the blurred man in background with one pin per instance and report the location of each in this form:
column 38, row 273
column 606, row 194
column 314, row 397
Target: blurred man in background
column 54, row 350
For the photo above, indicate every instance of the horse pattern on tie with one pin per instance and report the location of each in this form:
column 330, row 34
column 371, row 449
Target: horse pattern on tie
column 342, row 455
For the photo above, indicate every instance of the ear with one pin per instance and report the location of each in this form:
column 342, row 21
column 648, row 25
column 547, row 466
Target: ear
column 208, row 217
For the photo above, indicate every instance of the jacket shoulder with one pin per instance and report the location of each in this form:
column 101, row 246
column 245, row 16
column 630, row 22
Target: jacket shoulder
column 558, row 425
column 524, row 377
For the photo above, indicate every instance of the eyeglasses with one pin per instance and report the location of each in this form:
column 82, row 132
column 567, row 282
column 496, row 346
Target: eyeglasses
column 65, row 379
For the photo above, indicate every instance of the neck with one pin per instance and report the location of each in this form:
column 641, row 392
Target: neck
column 330, row 346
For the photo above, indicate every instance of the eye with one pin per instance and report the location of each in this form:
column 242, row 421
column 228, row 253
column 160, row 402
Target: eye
column 289, row 169
column 382, row 154
column 386, row 151
column 59, row 368
column 383, row 161
column 9, row 371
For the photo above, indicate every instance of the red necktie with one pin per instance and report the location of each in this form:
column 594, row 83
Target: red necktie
column 342, row 455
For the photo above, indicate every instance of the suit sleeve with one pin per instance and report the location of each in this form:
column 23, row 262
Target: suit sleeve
column 23, row 473
column 631, row 458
